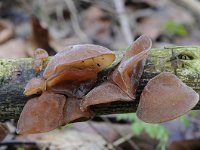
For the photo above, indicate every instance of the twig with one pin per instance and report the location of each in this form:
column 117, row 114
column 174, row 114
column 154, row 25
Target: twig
column 110, row 145
column 192, row 5
column 124, row 22
column 123, row 138
column 75, row 22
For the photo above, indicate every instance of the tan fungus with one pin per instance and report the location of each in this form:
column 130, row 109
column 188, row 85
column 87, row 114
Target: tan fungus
column 104, row 94
column 72, row 112
column 35, row 86
column 41, row 114
column 80, row 56
column 40, row 59
column 74, row 65
column 129, row 71
column 164, row 98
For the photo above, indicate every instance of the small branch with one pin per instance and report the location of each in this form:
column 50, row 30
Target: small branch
column 15, row 73
column 191, row 5
column 75, row 23
column 124, row 22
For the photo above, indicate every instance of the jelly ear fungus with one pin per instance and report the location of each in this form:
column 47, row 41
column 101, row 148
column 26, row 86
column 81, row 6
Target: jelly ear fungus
column 41, row 114
column 164, row 98
column 123, row 82
column 65, row 73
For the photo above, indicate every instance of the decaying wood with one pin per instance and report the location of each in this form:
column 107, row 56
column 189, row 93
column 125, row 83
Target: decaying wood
column 182, row 61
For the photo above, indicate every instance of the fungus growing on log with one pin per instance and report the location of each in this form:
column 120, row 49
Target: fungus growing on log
column 129, row 71
column 68, row 81
column 34, row 86
column 106, row 93
column 89, row 56
column 81, row 62
column 69, row 70
column 40, row 59
column 124, row 80
column 41, row 114
column 72, row 112
column 164, row 98
column 73, row 72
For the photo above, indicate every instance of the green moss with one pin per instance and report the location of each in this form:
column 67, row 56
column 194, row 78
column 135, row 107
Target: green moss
column 5, row 69
column 8, row 66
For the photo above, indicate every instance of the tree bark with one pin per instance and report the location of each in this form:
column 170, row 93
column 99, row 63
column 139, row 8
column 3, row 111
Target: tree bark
column 181, row 61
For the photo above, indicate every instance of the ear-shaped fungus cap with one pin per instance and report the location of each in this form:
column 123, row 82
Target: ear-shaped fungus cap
column 165, row 97
column 72, row 112
column 105, row 93
column 41, row 114
column 34, row 86
column 40, row 59
column 80, row 56
column 69, row 79
column 128, row 73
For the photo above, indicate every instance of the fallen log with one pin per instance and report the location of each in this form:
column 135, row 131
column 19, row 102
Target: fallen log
column 181, row 61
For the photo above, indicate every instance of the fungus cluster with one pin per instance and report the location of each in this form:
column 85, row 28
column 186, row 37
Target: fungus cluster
column 66, row 91
column 122, row 83
column 59, row 100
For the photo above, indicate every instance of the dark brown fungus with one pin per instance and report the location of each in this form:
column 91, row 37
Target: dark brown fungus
column 104, row 94
column 129, row 71
column 41, row 114
column 65, row 82
column 165, row 97
column 72, row 112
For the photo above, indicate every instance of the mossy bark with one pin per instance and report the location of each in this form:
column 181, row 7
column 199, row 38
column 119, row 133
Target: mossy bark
column 181, row 61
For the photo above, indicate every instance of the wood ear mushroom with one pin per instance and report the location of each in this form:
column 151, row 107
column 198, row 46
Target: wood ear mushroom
column 69, row 69
column 40, row 59
column 129, row 71
column 76, row 67
column 41, row 114
column 164, row 98
column 77, row 61
column 123, row 82
column 72, row 112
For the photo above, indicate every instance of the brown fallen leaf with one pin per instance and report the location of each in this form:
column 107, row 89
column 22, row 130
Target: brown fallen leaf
column 15, row 48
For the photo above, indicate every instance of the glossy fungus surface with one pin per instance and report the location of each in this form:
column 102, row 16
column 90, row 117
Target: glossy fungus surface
column 165, row 97
column 34, row 86
column 80, row 56
column 104, row 94
column 129, row 71
column 41, row 114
